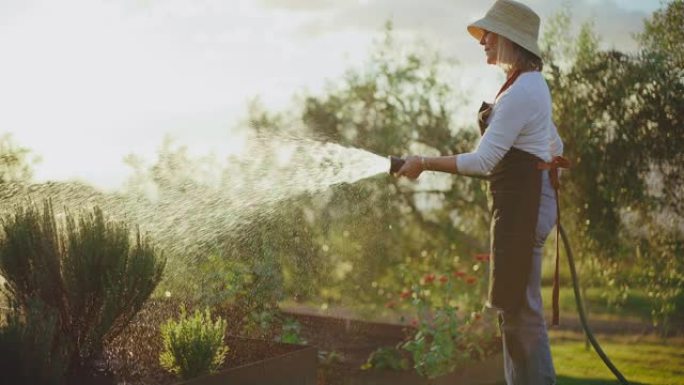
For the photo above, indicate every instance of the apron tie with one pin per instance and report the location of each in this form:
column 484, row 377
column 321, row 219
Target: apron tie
column 556, row 163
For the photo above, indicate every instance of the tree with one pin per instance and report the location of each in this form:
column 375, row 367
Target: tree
column 15, row 161
column 622, row 119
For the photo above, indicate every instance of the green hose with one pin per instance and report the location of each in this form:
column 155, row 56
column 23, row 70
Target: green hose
column 583, row 317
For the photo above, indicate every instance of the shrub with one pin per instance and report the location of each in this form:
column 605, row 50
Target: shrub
column 193, row 345
column 85, row 271
column 29, row 354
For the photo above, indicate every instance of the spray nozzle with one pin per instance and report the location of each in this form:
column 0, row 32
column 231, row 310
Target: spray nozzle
column 395, row 164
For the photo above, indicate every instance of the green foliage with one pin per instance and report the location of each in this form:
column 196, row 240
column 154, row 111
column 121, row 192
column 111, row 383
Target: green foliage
column 445, row 337
column 106, row 279
column 29, row 353
column 31, row 258
column 660, row 257
column 663, row 34
column 15, row 162
column 435, row 346
column 621, row 119
column 390, row 358
column 447, row 329
column 291, row 332
column 193, row 345
column 85, row 271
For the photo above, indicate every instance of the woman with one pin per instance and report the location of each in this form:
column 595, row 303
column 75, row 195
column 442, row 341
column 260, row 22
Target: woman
column 519, row 145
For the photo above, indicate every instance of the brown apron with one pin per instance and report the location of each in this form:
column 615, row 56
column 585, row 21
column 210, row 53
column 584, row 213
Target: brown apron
column 515, row 186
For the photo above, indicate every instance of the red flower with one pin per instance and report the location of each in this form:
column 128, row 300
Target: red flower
column 470, row 280
column 406, row 293
column 429, row 278
column 443, row 278
column 391, row 304
column 459, row 274
column 482, row 257
column 414, row 323
column 478, row 316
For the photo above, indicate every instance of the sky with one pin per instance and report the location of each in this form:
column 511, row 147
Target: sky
column 86, row 82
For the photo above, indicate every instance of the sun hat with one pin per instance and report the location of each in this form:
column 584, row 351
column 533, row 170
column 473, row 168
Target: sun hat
column 512, row 20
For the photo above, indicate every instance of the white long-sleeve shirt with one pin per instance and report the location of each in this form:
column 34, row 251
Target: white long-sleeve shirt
column 520, row 118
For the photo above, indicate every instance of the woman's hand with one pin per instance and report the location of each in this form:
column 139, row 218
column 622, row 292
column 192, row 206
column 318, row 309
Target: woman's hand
column 412, row 168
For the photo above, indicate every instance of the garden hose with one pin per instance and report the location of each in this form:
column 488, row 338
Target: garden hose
column 580, row 310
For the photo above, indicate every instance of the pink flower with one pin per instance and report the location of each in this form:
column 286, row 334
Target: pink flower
column 443, row 278
column 459, row 274
column 405, row 294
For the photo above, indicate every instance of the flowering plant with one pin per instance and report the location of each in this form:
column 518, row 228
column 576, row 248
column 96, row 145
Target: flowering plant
column 446, row 327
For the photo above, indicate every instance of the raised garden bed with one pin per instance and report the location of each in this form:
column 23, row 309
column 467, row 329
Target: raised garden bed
column 354, row 340
column 265, row 363
column 133, row 358
column 487, row 372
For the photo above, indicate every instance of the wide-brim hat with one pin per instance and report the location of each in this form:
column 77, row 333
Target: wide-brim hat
column 512, row 20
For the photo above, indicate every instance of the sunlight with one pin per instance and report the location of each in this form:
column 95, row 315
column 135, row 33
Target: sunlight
column 93, row 81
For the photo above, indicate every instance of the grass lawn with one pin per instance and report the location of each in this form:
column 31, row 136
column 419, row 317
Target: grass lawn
column 642, row 360
column 637, row 305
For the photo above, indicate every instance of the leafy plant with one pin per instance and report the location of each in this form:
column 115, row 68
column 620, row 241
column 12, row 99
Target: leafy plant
column 291, row 332
column 85, row 271
column 434, row 347
column 444, row 333
column 387, row 358
column 193, row 345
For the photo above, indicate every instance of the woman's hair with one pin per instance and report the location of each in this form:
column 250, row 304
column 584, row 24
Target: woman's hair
column 510, row 56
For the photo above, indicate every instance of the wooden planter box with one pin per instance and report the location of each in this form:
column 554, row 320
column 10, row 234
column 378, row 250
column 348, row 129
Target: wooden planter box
column 288, row 365
column 356, row 339
column 487, row 372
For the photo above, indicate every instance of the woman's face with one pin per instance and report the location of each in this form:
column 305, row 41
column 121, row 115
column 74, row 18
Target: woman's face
column 489, row 42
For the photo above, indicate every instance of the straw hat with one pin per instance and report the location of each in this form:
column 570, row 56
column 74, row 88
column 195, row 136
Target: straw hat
column 512, row 20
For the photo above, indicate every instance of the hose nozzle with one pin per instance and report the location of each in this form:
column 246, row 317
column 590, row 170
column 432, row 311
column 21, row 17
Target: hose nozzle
column 395, row 164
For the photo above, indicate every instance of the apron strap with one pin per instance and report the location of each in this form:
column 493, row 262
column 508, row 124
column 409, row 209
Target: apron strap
column 556, row 163
column 511, row 79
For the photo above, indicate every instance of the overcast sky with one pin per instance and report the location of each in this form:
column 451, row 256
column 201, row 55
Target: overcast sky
column 85, row 82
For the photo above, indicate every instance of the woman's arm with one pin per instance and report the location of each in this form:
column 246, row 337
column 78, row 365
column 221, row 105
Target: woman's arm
column 511, row 113
column 415, row 165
